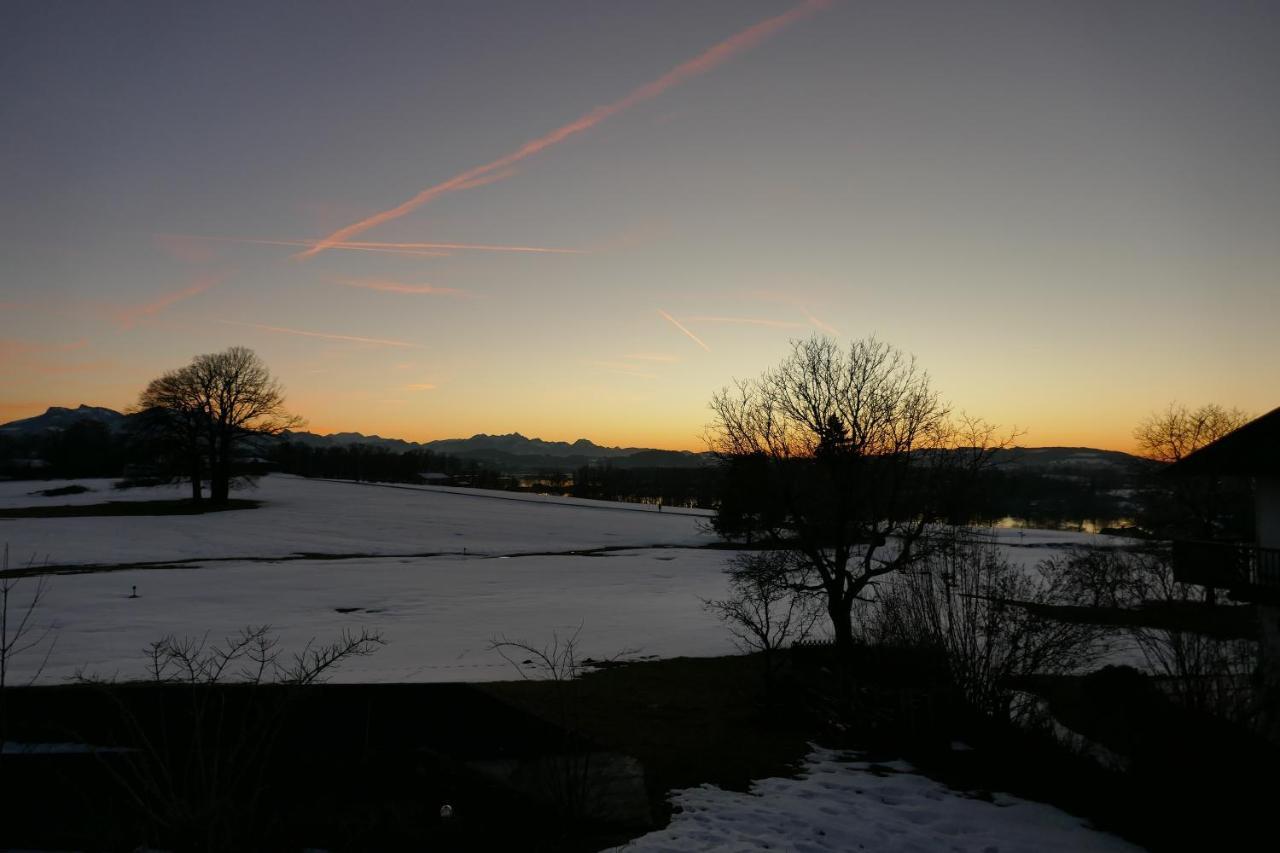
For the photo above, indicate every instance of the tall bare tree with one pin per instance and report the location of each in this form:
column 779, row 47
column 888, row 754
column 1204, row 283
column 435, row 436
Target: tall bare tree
column 242, row 401
column 173, row 416
column 218, row 403
column 846, row 457
column 1205, row 505
column 1178, row 431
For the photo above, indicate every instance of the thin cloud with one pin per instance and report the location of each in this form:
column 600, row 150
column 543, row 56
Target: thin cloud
column 700, row 64
column 131, row 315
column 652, row 356
column 821, row 326
column 388, row 249
column 325, row 335
column 434, row 250
column 624, row 368
column 21, row 359
column 748, row 321
column 421, row 386
column 673, row 321
column 401, row 287
column 30, row 368
column 14, row 348
column 185, row 248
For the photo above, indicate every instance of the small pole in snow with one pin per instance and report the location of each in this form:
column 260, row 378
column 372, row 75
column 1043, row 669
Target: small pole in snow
column 135, row 591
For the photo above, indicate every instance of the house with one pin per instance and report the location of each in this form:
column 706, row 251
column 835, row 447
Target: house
column 1249, row 570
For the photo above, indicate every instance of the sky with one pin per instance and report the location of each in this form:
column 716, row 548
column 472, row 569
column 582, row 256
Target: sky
column 582, row 219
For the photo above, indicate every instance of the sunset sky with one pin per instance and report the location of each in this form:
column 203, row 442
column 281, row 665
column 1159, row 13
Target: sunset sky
column 581, row 219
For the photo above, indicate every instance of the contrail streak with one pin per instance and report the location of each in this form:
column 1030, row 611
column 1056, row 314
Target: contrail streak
column 439, row 250
column 130, row 315
column 700, row 64
column 352, row 338
column 821, row 326
column 399, row 287
column 673, row 321
column 750, row 321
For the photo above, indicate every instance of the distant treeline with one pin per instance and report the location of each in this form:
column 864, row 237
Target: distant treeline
column 688, row 487
column 1038, row 498
column 672, row 486
column 86, row 448
column 89, row 448
column 370, row 462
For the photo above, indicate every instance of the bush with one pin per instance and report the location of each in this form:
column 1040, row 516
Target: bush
column 966, row 600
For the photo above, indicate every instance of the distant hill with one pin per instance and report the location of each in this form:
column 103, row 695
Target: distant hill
column 511, row 454
column 59, row 418
column 515, row 443
column 517, row 454
column 1067, row 460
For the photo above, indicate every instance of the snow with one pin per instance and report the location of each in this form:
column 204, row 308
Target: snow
column 438, row 608
column 439, row 615
column 335, row 517
column 440, row 573
column 843, row 803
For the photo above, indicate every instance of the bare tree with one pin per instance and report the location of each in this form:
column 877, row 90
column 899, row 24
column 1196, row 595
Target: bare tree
column 201, row 750
column 19, row 632
column 1214, row 673
column 567, row 777
column 173, row 416
column 766, row 610
column 985, row 616
column 1178, row 431
column 844, row 457
column 218, row 403
column 1203, row 504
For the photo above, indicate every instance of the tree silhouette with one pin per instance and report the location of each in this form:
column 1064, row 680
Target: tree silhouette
column 213, row 407
column 846, row 458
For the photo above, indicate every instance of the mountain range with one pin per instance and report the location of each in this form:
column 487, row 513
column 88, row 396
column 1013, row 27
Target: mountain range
column 511, row 453
column 516, row 453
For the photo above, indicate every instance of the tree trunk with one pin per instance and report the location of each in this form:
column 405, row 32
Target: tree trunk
column 196, row 473
column 220, row 475
column 220, row 484
column 841, row 624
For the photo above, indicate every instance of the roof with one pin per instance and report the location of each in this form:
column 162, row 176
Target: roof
column 1253, row 449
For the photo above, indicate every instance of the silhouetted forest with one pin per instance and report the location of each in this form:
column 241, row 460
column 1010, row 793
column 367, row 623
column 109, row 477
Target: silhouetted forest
column 89, row 448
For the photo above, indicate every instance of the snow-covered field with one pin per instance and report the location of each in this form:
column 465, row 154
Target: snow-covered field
column 443, row 573
column 328, row 517
column 842, row 803
column 440, row 573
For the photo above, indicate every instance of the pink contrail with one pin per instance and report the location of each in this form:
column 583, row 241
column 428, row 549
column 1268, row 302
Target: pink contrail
column 821, row 326
column 750, row 321
column 130, row 315
column 352, row 338
column 700, row 64
column 438, row 250
column 673, row 321
column 400, row 287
